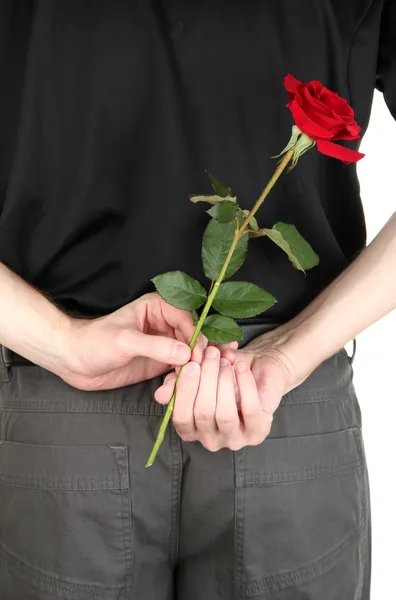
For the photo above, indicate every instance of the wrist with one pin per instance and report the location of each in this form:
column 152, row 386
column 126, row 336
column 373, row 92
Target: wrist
column 59, row 355
column 295, row 345
column 309, row 342
column 33, row 326
column 45, row 341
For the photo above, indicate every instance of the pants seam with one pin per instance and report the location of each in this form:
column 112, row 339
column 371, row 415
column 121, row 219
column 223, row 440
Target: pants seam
column 177, row 462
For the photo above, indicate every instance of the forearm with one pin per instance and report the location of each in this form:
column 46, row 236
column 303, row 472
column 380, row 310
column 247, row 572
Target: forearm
column 362, row 294
column 29, row 323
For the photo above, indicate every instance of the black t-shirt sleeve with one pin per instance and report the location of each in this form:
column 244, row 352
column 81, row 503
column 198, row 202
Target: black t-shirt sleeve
column 386, row 69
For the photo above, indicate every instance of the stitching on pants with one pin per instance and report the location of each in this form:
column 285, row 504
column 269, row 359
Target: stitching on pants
column 77, row 485
column 4, row 373
column 255, row 479
column 83, row 406
column 127, row 527
column 239, row 528
column 313, row 397
column 177, row 468
column 278, row 582
column 33, row 574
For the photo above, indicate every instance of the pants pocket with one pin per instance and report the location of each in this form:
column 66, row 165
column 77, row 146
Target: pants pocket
column 301, row 504
column 65, row 522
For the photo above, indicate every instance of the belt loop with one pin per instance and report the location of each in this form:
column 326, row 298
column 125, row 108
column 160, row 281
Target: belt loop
column 4, row 373
column 352, row 358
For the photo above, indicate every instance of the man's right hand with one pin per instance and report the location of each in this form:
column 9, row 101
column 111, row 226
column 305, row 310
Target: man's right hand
column 141, row 340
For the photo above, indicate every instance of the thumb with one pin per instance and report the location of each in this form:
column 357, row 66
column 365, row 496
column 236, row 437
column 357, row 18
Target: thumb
column 163, row 349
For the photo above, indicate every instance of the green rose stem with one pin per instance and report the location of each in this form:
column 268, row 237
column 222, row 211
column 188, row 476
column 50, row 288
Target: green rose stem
column 239, row 232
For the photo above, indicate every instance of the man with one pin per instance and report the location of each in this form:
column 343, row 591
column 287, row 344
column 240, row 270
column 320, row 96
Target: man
column 110, row 113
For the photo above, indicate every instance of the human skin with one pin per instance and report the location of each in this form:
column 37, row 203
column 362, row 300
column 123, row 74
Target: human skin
column 141, row 340
column 225, row 406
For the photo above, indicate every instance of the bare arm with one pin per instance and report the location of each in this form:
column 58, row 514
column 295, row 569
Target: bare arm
column 29, row 323
column 361, row 295
column 141, row 340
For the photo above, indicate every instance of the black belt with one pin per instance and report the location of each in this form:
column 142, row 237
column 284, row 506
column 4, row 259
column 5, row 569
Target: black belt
column 250, row 328
column 12, row 359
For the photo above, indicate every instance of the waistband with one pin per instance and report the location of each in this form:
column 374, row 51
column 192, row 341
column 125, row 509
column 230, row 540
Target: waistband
column 9, row 358
column 251, row 328
column 35, row 389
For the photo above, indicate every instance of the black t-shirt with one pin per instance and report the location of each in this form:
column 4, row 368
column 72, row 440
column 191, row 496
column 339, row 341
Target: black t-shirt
column 110, row 112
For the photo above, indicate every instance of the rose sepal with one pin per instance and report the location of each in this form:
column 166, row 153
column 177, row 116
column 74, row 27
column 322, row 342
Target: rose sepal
column 296, row 132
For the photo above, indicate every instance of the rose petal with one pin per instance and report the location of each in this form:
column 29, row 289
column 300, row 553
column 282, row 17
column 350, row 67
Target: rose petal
column 344, row 134
column 316, row 111
column 338, row 104
column 336, row 151
column 319, row 112
column 349, row 131
column 318, row 104
column 315, row 87
column 292, row 84
column 306, row 124
column 324, row 121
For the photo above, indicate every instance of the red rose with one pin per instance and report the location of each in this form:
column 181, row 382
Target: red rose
column 324, row 116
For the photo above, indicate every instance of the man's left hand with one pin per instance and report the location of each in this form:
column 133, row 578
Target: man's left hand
column 231, row 407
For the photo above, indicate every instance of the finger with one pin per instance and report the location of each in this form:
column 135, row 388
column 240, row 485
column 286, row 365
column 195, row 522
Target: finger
column 256, row 422
column 182, row 321
column 198, row 350
column 169, row 376
column 164, row 393
column 227, row 417
column 229, row 355
column 199, row 347
column 225, row 347
column 183, row 412
column 227, row 351
column 160, row 348
column 205, row 402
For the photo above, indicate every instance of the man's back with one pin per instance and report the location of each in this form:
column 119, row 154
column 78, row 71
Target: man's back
column 111, row 112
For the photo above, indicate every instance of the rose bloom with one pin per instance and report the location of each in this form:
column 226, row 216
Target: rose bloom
column 324, row 116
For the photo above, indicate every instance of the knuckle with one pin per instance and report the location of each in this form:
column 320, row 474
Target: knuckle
column 250, row 412
column 122, row 339
column 182, row 424
column 204, row 416
column 225, row 421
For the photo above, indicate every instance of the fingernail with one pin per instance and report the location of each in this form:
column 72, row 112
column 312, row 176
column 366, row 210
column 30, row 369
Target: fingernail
column 211, row 352
column 224, row 362
column 181, row 352
column 241, row 366
column 191, row 369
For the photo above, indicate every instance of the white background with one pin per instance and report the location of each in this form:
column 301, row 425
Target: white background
column 375, row 362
